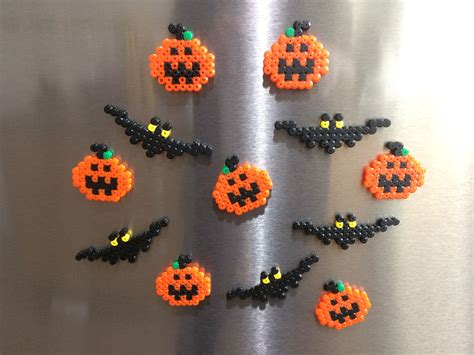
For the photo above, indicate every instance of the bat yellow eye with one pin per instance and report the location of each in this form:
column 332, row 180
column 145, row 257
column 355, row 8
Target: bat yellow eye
column 127, row 236
column 339, row 224
column 352, row 224
column 151, row 127
column 266, row 280
column 324, row 124
column 114, row 242
column 165, row 133
column 277, row 276
column 339, row 124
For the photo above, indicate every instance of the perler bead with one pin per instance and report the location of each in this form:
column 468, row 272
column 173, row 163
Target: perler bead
column 394, row 175
column 342, row 305
column 331, row 133
column 345, row 231
column 183, row 283
column 124, row 245
column 182, row 64
column 275, row 284
column 102, row 177
column 241, row 188
column 155, row 137
column 296, row 61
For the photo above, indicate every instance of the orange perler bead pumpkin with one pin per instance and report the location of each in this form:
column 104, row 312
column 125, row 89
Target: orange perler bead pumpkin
column 101, row 177
column 394, row 175
column 241, row 188
column 296, row 61
column 183, row 283
column 182, row 64
column 342, row 305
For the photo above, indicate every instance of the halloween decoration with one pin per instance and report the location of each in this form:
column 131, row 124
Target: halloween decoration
column 342, row 305
column 183, row 283
column 102, row 177
column 331, row 133
column 275, row 284
column 155, row 137
column 182, row 64
column 394, row 175
column 241, row 188
column 123, row 245
column 296, row 61
column 345, row 231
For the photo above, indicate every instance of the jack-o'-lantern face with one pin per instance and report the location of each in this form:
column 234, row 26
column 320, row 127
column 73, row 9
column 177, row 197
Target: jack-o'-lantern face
column 241, row 188
column 183, row 283
column 182, row 64
column 394, row 175
column 296, row 61
column 342, row 305
column 102, row 177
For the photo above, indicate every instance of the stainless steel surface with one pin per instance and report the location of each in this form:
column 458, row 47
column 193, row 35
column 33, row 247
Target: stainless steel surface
column 62, row 61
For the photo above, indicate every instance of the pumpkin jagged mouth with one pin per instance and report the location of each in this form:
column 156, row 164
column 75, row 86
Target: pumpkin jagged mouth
column 295, row 68
column 100, row 184
column 395, row 181
column 182, row 72
column 351, row 313
column 183, row 291
column 244, row 194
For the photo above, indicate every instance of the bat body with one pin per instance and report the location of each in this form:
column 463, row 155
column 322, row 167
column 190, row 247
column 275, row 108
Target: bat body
column 345, row 231
column 331, row 133
column 275, row 284
column 155, row 138
column 124, row 246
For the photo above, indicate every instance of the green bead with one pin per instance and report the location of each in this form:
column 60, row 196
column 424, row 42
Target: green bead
column 108, row 154
column 405, row 151
column 290, row 32
column 225, row 170
column 188, row 35
column 340, row 286
column 176, row 265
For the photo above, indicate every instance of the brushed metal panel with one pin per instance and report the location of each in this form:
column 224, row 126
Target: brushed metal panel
column 62, row 61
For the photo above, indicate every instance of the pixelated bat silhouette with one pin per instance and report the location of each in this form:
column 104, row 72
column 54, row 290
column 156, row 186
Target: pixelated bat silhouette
column 332, row 133
column 155, row 137
column 123, row 245
column 275, row 284
column 345, row 231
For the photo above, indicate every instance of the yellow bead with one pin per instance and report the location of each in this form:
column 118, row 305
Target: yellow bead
column 277, row 276
column 151, row 127
column 266, row 280
column 126, row 237
column 324, row 124
column 165, row 133
column 339, row 224
column 114, row 242
column 353, row 224
column 339, row 124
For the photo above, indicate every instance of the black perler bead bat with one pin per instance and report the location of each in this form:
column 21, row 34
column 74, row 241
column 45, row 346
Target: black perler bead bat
column 345, row 231
column 275, row 284
column 155, row 138
column 332, row 133
column 123, row 246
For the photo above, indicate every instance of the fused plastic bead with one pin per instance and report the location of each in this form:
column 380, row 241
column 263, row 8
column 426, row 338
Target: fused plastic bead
column 296, row 61
column 241, row 188
column 346, row 231
column 124, row 245
column 155, row 137
column 182, row 64
column 330, row 134
column 183, row 283
column 102, row 177
column 275, row 284
column 342, row 305
column 394, row 175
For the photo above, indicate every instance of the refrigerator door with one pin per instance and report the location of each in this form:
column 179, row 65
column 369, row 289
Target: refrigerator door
column 63, row 61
